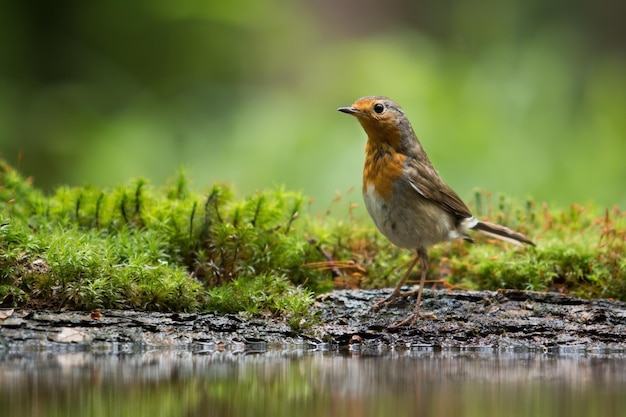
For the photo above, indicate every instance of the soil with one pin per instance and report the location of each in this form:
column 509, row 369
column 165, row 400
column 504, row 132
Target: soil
column 492, row 320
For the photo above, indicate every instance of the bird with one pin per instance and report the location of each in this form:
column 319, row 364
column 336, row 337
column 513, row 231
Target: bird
column 405, row 196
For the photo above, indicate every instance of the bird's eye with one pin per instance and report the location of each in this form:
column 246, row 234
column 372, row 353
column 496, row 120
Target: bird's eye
column 379, row 108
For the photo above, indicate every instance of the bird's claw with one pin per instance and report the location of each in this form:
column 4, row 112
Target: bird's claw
column 382, row 303
column 386, row 302
column 412, row 319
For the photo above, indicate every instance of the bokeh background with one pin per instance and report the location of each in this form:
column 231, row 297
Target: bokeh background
column 525, row 97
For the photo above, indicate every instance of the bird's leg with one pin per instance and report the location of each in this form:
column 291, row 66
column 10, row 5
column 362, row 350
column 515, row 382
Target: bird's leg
column 396, row 292
column 423, row 255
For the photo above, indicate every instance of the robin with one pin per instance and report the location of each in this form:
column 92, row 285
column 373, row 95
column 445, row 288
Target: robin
column 408, row 201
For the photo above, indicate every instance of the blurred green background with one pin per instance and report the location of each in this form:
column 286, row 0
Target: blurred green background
column 522, row 96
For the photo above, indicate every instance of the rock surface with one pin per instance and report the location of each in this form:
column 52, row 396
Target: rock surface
column 492, row 320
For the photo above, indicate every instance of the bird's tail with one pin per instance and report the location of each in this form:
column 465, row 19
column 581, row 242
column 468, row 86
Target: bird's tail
column 502, row 233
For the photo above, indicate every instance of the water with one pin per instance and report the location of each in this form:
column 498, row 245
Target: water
column 413, row 382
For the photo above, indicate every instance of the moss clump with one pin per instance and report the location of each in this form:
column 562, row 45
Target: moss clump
column 579, row 251
column 170, row 249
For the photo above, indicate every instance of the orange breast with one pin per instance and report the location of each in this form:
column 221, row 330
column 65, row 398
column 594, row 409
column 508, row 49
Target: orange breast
column 383, row 165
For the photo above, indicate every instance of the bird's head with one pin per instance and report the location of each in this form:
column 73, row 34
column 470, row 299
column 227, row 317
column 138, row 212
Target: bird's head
column 382, row 119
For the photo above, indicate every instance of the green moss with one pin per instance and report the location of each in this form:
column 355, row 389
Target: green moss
column 170, row 249
column 175, row 249
column 263, row 295
column 577, row 252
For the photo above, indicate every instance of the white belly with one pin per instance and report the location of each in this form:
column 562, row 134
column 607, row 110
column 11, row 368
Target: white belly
column 410, row 223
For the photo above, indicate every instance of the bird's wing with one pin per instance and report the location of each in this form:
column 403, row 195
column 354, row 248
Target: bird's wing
column 424, row 179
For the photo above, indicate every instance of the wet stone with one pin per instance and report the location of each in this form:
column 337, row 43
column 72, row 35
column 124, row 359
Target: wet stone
column 496, row 320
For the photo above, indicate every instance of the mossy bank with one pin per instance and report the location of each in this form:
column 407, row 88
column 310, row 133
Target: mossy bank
column 136, row 246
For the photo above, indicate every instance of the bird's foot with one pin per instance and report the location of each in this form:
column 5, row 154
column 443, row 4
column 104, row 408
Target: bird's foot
column 386, row 302
column 412, row 319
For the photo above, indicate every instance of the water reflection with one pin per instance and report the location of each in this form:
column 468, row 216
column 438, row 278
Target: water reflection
column 304, row 383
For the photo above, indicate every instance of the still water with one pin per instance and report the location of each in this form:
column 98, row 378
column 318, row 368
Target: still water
column 412, row 382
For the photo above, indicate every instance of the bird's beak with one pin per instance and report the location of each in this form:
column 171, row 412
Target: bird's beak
column 349, row 110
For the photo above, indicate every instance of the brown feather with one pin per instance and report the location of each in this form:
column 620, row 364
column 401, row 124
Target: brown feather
column 427, row 182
